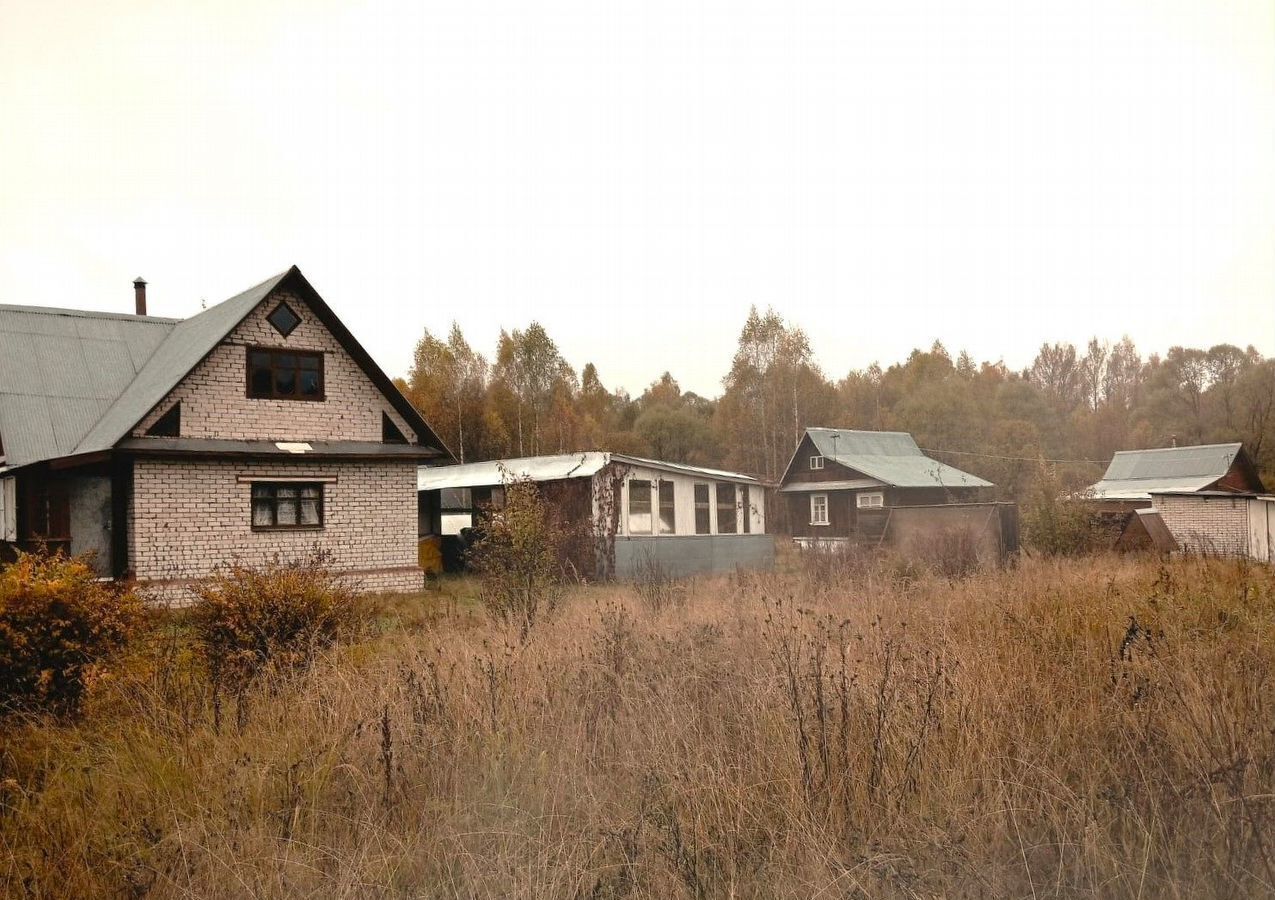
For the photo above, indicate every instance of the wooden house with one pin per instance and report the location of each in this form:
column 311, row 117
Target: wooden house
column 1134, row 475
column 877, row 487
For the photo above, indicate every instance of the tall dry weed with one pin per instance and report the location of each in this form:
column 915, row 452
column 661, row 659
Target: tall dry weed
column 1070, row 728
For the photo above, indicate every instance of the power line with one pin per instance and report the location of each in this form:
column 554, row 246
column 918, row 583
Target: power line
column 1095, row 462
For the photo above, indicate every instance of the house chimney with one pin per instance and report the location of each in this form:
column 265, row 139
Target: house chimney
column 1173, row 440
column 139, row 294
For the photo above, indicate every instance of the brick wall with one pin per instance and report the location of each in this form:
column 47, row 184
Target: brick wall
column 188, row 518
column 1216, row 525
column 213, row 398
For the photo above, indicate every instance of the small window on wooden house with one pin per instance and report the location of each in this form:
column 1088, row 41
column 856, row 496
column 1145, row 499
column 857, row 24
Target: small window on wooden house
column 285, row 505
column 816, row 462
column 284, row 320
column 284, row 374
column 390, row 433
column 726, row 512
column 167, row 425
column 668, row 511
column 745, row 511
column 818, row 509
column 874, row 500
column 703, row 520
column 639, row 507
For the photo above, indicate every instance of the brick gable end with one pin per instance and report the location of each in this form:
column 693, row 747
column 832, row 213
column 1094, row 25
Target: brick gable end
column 215, row 405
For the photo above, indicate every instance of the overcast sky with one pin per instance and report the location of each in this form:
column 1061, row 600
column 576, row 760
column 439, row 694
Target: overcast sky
column 635, row 175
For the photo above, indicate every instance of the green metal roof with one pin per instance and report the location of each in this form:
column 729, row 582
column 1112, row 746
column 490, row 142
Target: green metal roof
column 1135, row 474
column 891, row 457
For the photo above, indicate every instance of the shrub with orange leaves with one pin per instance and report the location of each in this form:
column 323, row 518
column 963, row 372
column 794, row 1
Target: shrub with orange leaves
column 272, row 618
column 59, row 626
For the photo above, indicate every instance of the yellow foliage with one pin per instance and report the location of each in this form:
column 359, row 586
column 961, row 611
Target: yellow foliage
column 58, row 627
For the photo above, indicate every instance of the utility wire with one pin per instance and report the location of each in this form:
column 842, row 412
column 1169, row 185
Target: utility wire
column 1095, row 462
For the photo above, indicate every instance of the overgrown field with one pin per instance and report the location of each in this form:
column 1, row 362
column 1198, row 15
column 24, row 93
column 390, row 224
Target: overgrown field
column 1098, row 727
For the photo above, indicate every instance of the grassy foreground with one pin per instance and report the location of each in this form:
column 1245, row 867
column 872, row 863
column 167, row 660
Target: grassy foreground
column 1100, row 727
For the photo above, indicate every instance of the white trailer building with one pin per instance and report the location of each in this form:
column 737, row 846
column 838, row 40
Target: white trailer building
column 681, row 519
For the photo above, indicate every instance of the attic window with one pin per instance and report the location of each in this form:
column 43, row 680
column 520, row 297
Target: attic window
column 390, row 433
column 167, row 425
column 816, row 462
column 284, row 320
column 284, row 374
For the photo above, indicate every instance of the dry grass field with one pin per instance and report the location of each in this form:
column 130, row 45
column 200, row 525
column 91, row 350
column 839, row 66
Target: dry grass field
column 1099, row 727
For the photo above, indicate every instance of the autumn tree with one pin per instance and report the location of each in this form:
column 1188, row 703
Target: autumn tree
column 533, row 373
column 448, row 384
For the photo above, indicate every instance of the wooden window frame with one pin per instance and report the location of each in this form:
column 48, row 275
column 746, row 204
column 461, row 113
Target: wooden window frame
column 298, row 486
column 283, row 351
column 827, row 519
column 659, row 506
column 816, row 463
column 731, row 505
column 652, row 510
column 871, row 495
column 745, row 508
column 706, row 508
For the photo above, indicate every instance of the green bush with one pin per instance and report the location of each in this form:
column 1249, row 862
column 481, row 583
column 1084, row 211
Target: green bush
column 59, row 626
column 517, row 558
column 1058, row 522
column 273, row 618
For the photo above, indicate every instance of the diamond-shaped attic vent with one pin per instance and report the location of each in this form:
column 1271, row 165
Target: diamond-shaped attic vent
column 284, row 319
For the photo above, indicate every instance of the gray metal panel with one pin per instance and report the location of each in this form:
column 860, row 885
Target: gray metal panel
column 1172, row 462
column 27, row 428
column 490, row 474
column 683, row 555
column 815, row 487
column 1143, row 488
column 551, row 468
column 59, row 372
column 892, row 457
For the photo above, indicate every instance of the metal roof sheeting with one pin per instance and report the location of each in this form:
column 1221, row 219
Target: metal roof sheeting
column 552, row 468
column 60, row 370
column 190, row 341
column 1135, row 474
column 74, row 382
column 891, row 457
column 493, row 472
column 815, row 487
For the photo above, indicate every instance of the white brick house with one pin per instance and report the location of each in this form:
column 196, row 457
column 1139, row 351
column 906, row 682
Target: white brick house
column 258, row 428
column 1219, row 523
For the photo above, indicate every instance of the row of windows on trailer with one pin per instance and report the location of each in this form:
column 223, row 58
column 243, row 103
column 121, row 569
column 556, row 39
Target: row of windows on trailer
column 652, row 507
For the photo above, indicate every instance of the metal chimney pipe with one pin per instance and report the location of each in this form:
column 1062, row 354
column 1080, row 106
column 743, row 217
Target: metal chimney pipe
column 139, row 294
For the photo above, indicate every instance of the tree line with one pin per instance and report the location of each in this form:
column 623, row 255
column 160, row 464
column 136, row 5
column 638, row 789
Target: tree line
column 1065, row 414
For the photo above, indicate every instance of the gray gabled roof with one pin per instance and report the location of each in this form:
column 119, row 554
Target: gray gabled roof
column 1136, row 474
column 61, row 369
column 75, row 383
column 190, row 341
column 891, row 457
